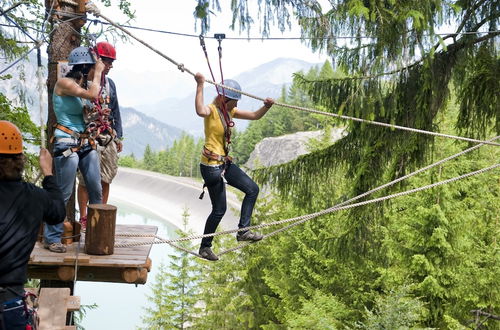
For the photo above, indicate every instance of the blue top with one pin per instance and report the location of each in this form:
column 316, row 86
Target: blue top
column 69, row 113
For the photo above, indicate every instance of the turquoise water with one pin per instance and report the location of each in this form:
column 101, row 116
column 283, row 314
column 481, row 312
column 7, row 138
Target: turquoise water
column 120, row 306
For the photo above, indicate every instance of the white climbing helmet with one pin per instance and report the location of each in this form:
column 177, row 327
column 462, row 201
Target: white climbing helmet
column 80, row 55
column 229, row 93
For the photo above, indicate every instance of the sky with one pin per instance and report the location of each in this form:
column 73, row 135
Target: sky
column 144, row 77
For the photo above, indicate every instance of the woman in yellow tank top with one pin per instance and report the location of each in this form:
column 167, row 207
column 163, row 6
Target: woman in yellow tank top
column 216, row 163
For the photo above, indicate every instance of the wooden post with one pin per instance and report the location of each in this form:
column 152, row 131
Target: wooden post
column 100, row 232
column 65, row 37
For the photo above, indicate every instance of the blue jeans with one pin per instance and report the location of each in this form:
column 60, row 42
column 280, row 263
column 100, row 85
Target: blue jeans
column 87, row 160
column 217, row 191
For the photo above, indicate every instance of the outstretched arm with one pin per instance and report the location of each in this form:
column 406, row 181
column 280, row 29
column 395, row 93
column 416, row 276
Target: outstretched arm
column 201, row 109
column 255, row 115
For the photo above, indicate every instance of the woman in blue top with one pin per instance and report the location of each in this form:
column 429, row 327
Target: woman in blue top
column 70, row 150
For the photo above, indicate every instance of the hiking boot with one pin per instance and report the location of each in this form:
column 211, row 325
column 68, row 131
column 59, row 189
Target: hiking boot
column 83, row 223
column 55, row 247
column 249, row 236
column 207, row 253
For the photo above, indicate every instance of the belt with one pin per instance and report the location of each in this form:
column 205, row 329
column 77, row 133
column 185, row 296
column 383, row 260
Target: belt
column 211, row 165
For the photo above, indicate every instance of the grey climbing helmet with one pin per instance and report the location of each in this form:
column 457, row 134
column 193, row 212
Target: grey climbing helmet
column 80, row 55
column 229, row 93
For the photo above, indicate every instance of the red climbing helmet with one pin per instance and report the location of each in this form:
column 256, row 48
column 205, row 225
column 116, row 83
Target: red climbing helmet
column 11, row 140
column 105, row 49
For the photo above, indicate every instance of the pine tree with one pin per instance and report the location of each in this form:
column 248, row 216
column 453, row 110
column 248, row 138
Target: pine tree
column 174, row 292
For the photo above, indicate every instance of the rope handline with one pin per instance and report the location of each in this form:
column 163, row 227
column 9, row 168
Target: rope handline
column 316, row 214
column 423, row 169
column 93, row 9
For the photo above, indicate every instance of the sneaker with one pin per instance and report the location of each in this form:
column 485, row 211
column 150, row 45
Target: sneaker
column 207, row 253
column 83, row 222
column 249, row 236
column 55, row 247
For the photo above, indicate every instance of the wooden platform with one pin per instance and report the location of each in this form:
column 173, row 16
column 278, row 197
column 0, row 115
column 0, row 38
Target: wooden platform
column 126, row 265
column 53, row 304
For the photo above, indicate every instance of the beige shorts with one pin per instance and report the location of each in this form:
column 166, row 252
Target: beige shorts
column 108, row 157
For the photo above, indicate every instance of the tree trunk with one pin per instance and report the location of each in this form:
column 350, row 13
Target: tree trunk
column 100, row 232
column 64, row 38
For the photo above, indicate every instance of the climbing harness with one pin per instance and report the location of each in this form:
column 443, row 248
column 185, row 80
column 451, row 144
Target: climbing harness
column 81, row 138
column 11, row 300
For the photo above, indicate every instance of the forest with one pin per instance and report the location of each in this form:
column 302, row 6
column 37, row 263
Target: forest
column 426, row 260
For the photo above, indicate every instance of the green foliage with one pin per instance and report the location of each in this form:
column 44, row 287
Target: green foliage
column 80, row 314
column 175, row 290
column 396, row 310
column 181, row 159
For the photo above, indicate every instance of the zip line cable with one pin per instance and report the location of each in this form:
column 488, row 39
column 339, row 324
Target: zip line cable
column 19, row 59
column 94, row 10
column 17, row 25
column 312, row 215
column 278, row 38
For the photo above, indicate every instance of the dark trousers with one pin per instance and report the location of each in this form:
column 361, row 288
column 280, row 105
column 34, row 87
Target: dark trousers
column 14, row 315
column 217, row 191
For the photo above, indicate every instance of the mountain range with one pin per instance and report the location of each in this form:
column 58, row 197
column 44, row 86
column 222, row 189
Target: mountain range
column 266, row 80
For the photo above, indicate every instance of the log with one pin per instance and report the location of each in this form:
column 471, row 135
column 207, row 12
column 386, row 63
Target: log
column 66, row 273
column 143, row 276
column 100, row 232
column 130, row 275
column 148, row 264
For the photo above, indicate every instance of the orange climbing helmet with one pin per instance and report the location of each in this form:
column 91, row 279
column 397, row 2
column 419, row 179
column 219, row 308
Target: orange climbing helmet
column 105, row 49
column 11, row 140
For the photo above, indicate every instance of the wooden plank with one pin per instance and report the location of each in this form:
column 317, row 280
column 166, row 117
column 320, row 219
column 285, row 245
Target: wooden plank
column 73, row 303
column 53, row 308
column 82, row 259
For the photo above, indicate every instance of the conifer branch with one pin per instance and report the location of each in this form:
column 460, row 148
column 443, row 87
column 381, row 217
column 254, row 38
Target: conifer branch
column 480, row 312
column 468, row 14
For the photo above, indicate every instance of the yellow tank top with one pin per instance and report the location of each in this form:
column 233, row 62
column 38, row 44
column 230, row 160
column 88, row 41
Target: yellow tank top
column 214, row 134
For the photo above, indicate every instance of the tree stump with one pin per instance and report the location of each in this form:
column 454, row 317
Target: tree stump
column 100, row 232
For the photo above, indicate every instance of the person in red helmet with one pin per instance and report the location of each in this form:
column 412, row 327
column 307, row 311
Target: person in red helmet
column 23, row 206
column 111, row 141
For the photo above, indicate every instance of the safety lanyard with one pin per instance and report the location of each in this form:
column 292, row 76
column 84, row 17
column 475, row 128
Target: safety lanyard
column 226, row 120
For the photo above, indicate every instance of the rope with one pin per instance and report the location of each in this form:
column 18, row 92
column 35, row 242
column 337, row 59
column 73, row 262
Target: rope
column 371, row 191
column 19, row 59
column 284, row 38
column 312, row 215
column 94, row 10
